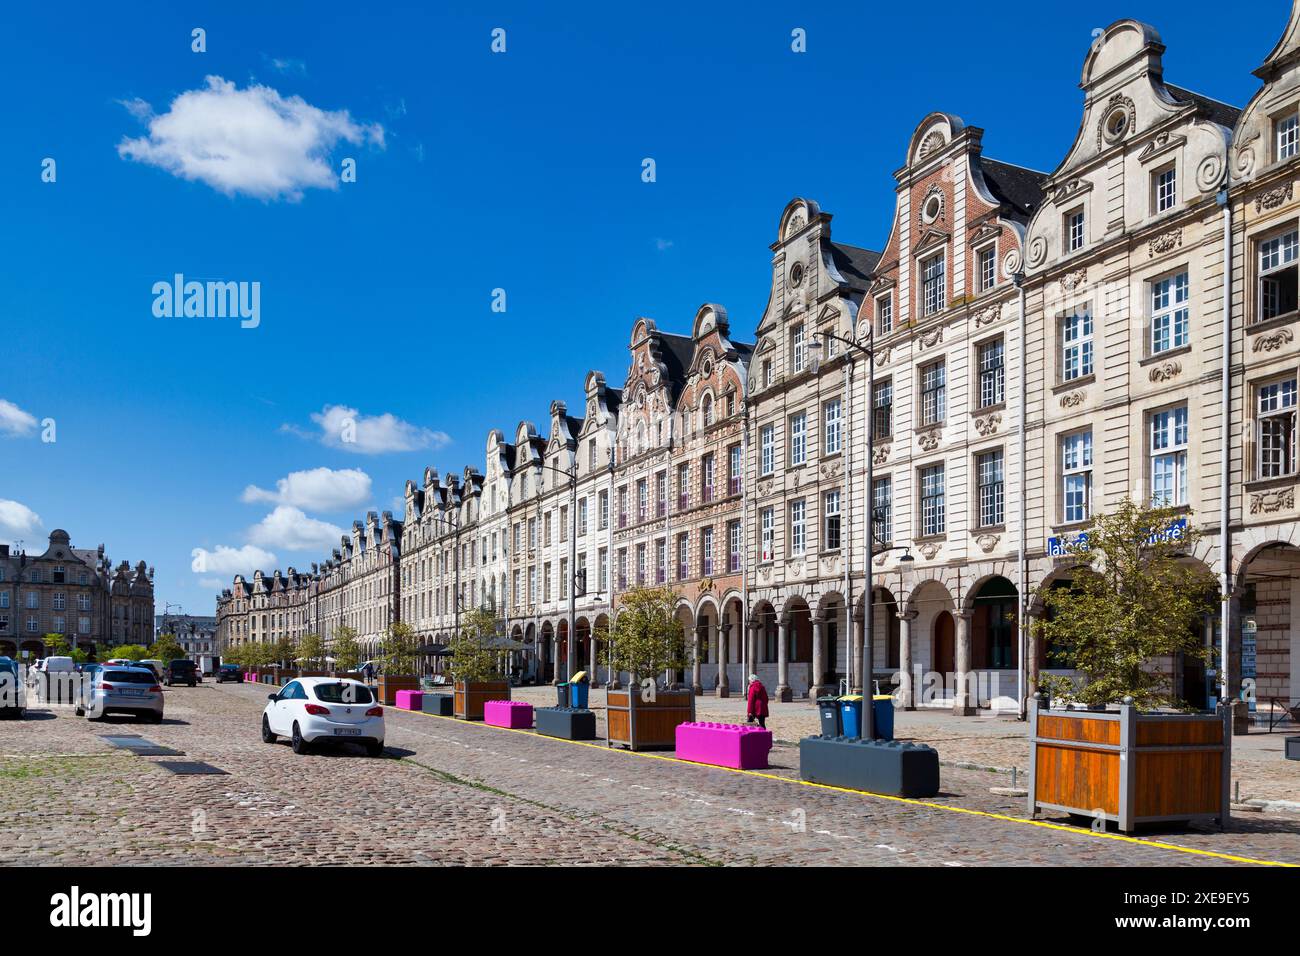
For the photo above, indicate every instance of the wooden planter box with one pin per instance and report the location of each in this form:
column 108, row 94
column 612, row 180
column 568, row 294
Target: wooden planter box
column 1130, row 767
column 468, row 698
column 390, row 684
column 647, row 725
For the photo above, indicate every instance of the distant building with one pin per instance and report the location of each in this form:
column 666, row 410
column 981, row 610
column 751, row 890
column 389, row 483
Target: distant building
column 195, row 634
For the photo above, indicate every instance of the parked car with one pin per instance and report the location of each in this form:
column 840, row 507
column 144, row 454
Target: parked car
column 230, row 672
column 312, row 710
column 123, row 690
column 13, row 696
column 182, row 671
column 55, row 680
column 155, row 665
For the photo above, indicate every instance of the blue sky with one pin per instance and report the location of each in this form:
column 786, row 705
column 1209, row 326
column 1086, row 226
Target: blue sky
column 475, row 171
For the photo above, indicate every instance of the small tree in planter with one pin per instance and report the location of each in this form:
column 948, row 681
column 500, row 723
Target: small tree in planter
column 347, row 650
column 646, row 639
column 1135, row 600
column 477, row 671
column 397, row 655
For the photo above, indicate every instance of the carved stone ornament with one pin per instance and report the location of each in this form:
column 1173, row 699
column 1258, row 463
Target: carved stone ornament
column 1037, row 250
column 929, row 549
column 987, row 542
column 988, row 316
column 1273, row 341
column 1164, row 371
column 988, row 424
column 1073, row 399
column 1272, row 198
column 765, row 573
column 1165, row 242
column 880, row 455
column 882, row 355
column 765, row 487
column 880, row 560
column 928, row 441
column 831, row 469
column 1267, row 502
column 930, row 338
column 928, row 145
column 1073, row 280
column 1109, row 128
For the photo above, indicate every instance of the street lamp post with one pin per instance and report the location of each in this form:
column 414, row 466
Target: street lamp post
column 868, row 649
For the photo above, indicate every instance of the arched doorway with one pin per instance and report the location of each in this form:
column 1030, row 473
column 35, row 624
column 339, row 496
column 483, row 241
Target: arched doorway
column 994, row 643
column 943, row 654
column 545, row 647
column 562, row 669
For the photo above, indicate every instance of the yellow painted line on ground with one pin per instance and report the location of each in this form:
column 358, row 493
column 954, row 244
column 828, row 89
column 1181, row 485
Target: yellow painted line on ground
column 1076, row 831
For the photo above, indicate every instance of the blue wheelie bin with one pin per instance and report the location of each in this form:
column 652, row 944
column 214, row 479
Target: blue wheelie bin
column 578, row 688
column 851, row 715
column 882, row 709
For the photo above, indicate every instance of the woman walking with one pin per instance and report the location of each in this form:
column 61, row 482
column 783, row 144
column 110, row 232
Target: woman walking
column 756, row 705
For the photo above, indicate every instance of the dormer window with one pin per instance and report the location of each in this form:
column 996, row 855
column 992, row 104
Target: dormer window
column 987, row 262
column 932, row 285
column 1164, row 188
column 706, row 410
column 1287, row 135
column 767, row 372
column 798, row 349
column 1074, row 230
column 884, row 314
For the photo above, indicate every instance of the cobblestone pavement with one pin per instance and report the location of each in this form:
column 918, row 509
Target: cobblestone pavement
column 467, row 793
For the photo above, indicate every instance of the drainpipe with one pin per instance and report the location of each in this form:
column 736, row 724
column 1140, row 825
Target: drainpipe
column 1022, row 672
column 1225, row 540
column 846, row 520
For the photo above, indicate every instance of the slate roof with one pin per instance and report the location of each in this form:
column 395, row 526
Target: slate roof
column 1019, row 188
column 854, row 263
column 1218, row 112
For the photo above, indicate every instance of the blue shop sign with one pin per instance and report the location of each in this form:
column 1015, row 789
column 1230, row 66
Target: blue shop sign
column 1059, row 546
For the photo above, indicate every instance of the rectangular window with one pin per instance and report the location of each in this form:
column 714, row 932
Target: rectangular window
column 992, row 373
column 831, row 427
column 1164, row 188
column 602, row 568
column 735, row 544
column 767, row 372
column 642, row 500
column 798, row 438
column 934, row 393
column 546, row 581
column 1076, row 477
column 661, row 561
column 1169, row 313
column 582, row 523
column 882, row 410
column 932, row 285
column 798, row 349
column 564, row 580
column 1074, row 232
column 882, row 509
column 622, row 507
column 683, row 556
column 988, row 474
column 1169, row 457
column 683, row 487
column 1288, row 135
column 988, row 268
column 564, row 522
column 706, row 477
column 884, row 315
column 798, row 526
column 604, row 510
column 736, row 469
column 706, row 551
column 767, row 449
column 640, row 565
column 622, row 569
column 1277, row 275
column 1076, row 345
column 767, row 534
column 1276, row 424
column 932, row 500
column 661, row 494
column 831, row 521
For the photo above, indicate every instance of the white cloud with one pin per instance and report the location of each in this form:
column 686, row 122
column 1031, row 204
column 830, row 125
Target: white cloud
column 14, row 422
column 227, row 560
column 288, row 528
column 17, row 520
column 252, row 141
column 320, row 489
column 347, row 429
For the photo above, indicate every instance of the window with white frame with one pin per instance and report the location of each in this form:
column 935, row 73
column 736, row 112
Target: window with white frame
column 767, row 372
column 884, row 314
column 1074, row 230
column 882, row 509
column 1287, row 135
column 831, row 426
column 932, row 500
column 987, row 264
column 707, row 469
column 1076, row 344
column 683, row 556
column 798, row 438
column 1169, row 313
column 798, row 349
column 934, row 393
column 831, row 521
column 932, row 285
column 1277, row 275
column 882, row 409
column 767, row 534
column 1275, row 422
column 1164, row 188
column 706, row 551
column 735, row 544
column 798, row 526
column 990, row 489
column 1169, row 457
column 767, row 449
column 992, row 372
column 1076, row 476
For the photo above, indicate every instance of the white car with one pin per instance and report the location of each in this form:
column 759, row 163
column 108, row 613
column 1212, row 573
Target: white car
column 122, row 690
column 310, row 710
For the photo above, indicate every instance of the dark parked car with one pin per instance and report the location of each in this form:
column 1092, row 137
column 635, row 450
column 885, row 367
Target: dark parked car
column 229, row 672
column 13, row 696
column 182, row 671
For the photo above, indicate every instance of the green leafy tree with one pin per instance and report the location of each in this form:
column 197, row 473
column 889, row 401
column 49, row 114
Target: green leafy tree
column 166, row 649
column 56, row 645
column 1135, row 598
column 285, row 651
column 646, row 638
column 235, row 654
column 347, row 650
column 311, row 650
column 397, row 649
column 130, row 652
column 472, row 656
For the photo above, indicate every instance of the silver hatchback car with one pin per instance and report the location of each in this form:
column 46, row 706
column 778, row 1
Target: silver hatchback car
column 123, row 690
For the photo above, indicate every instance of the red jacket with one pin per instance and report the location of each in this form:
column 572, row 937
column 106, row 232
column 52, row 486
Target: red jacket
column 757, row 700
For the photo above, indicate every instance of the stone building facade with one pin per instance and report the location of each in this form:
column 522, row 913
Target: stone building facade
column 1043, row 346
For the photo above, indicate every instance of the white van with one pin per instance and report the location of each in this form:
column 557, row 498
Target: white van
column 56, row 680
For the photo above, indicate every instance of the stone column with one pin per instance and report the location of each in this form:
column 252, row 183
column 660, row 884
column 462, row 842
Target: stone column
column 907, row 686
column 855, row 652
column 555, row 657
column 783, row 691
column 815, row 688
column 754, row 634
column 696, row 686
column 964, row 704
column 724, row 652
column 1032, row 663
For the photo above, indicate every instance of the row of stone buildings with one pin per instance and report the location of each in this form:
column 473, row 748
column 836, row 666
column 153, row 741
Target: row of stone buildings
column 73, row 592
column 1044, row 345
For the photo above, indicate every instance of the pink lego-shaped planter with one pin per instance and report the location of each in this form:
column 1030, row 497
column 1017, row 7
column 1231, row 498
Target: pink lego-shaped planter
column 250, row 677
column 515, row 714
column 409, row 700
column 724, row 745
